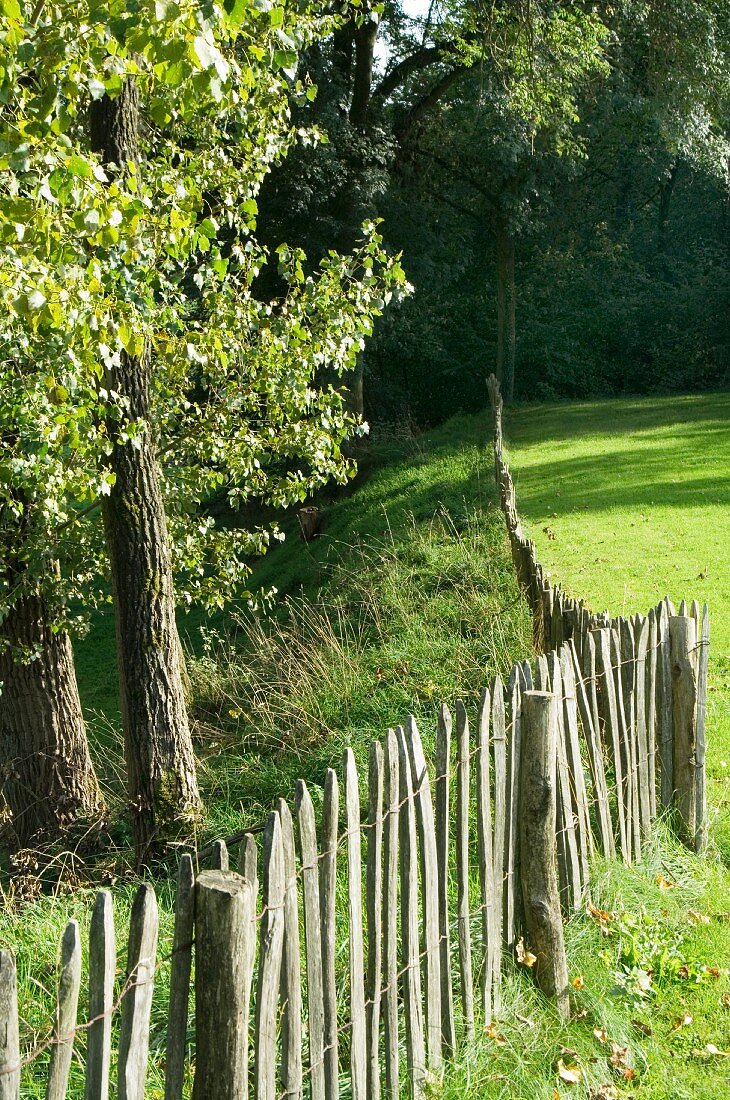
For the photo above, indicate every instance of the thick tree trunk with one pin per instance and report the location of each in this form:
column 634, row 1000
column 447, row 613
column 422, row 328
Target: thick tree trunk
column 159, row 754
column 48, row 780
column 506, row 330
column 365, row 37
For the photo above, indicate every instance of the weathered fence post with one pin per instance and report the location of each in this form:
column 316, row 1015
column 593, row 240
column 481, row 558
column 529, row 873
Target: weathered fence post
column 9, row 1029
column 68, row 999
column 271, row 939
column 462, row 868
column 700, row 776
column 538, row 802
column 358, row 1031
column 223, row 904
column 328, row 929
column 374, row 895
column 312, row 938
column 685, row 665
column 134, row 1029
column 291, row 978
column 177, row 1019
column 390, row 916
column 443, row 805
column 102, row 965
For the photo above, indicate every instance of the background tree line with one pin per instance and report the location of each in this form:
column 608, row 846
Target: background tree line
column 556, row 176
column 189, row 299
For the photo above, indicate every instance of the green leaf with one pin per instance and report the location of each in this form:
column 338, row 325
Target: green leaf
column 11, row 8
column 78, row 166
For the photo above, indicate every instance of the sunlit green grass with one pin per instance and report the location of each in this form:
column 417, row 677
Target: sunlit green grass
column 406, row 599
column 629, row 501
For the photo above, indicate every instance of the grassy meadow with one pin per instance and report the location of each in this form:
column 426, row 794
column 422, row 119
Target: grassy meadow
column 628, row 501
column 408, row 598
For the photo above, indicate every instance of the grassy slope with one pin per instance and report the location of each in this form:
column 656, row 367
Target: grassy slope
column 408, row 598
column 628, row 501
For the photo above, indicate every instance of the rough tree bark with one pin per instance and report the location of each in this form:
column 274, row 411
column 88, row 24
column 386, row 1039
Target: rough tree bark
column 159, row 754
column 48, row 779
column 506, row 331
column 365, row 38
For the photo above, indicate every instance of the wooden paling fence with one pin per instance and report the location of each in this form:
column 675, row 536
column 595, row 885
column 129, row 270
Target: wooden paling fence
column 646, row 683
column 277, row 991
column 460, row 864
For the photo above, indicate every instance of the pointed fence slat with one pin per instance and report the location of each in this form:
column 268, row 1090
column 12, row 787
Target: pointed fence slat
column 568, row 858
column 575, row 765
column 66, row 1010
column 595, row 756
column 429, row 895
column 137, row 1003
column 312, row 937
column 220, row 860
column 410, row 963
column 374, row 894
column 512, row 892
column 358, row 1060
column 102, row 967
column 328, row 918
column 700, row 838
column 651, row 710
column 223, row 906
column 612, row 730
column 443, row 797
column 248, row 869
column 291, row 980
column 642, row 643
column 182, row 956
column 664, row 680
column 390, row 916
column 626, row 748
column 484, row 837
column 9, row 1029
column 462, row 868
column 271, row 944
column 248, row 861
column 683, row 642
column 499, row 744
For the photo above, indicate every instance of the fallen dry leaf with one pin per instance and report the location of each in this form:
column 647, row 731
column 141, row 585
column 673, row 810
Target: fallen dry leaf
column 597, row 914
column 570, row 1074
column 712, row 1049
column 664, row 883
column 642, row 1028
column 680, row 1022
column 578, row 982
column 605, row 1092
column 524, row 957
column 601, row 1034
column 619, row 1055
column 524, row 1020
column 713, row 971
column 725, row 1000
column 698, row 918
column 492, row 1033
